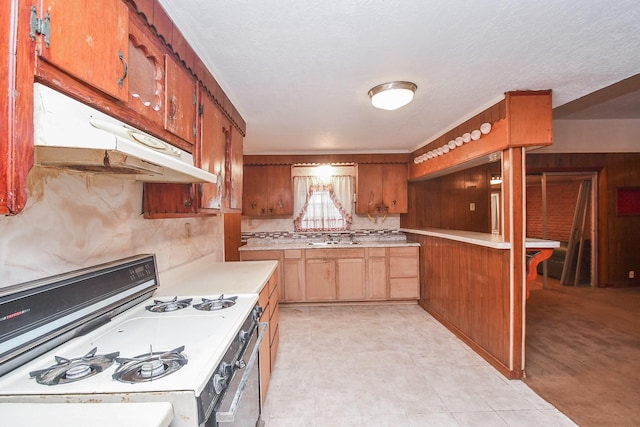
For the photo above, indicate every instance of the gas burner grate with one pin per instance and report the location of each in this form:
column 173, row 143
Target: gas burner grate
column 150, row 366
column 168, row 306
column 216, row 304
column 70, row 370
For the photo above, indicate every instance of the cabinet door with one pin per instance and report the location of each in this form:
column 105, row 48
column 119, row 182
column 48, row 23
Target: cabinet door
column 180, row 100
column 89, row 40
column 350, row 280
column 394, row 188
column 369, row 188
column 234, row 169
column 254, row 197
column 212, row 151
column 294, row 286
column 320, row 279
column 280, row 190
column 146, row 73
column 377, row 278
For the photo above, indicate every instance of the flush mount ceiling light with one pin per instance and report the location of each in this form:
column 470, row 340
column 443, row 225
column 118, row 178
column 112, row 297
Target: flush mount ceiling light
column 392, row 95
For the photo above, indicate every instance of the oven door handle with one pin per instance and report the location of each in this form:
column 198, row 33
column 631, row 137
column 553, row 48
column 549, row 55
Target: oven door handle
column 229, row 416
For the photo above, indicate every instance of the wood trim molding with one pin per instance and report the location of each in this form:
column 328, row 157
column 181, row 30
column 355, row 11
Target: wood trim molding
column 312, row 159
column 522, row 119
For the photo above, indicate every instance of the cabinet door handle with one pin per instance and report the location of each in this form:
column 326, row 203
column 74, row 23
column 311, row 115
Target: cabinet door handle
column 175, row 108
column 126, row 69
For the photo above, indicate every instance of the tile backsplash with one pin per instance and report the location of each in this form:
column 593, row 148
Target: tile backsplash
column 391, row 222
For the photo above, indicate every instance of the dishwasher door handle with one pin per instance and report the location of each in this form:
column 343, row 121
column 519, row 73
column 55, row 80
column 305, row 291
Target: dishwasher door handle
column 228, row 416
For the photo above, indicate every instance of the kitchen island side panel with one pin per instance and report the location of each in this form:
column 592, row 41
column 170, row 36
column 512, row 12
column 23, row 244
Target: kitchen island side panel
column 466, row 287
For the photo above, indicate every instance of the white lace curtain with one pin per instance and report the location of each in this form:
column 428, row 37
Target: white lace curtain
column 319, row 205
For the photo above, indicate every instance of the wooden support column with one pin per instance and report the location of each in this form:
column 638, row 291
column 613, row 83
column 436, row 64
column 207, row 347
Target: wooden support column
column 514, row 187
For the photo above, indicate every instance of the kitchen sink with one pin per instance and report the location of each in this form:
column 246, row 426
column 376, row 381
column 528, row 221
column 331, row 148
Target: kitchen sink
column 332, row 243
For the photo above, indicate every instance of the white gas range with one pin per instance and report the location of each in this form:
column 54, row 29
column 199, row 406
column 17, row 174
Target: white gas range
column 198, row 353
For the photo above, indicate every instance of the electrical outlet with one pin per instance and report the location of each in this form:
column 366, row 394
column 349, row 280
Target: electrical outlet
column 632, row 274
column 472, row 207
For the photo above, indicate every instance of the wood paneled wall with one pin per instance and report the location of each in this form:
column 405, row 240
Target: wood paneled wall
column 619, row 236
column 445, row 202
column 466, row 287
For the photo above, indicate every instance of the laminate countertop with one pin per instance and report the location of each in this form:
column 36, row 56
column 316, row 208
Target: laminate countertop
column 278, row 246
column 147, row 414
column 206, row 277
column 482, row 239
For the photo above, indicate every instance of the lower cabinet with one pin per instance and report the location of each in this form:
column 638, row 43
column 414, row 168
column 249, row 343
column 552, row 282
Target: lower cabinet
column 293, row 275
column 341, row 274
column 404, row 280
column 377, row 274
column 334, row 274
column 320, row 280
column 350, row 279
column 269, row 301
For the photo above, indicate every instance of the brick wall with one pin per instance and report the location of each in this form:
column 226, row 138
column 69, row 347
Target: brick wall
column 561, row 204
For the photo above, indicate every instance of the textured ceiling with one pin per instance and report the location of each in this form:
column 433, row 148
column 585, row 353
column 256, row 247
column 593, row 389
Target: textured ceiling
column 299, row 71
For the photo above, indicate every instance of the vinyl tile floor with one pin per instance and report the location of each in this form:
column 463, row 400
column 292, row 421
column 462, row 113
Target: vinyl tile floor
column 389, row 365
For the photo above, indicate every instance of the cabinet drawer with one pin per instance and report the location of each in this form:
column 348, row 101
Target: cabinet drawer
column 263, row 301
column 334, row 253
column 274, row 347
column 273, row 285
column 293, row 253
column 273, row 322
column 404, row 251
column 259, row 255
column 274, row 298
column 377, row 251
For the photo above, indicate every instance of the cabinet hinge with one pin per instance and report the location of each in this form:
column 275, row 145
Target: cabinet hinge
column 40, row 26
column 201, row 109
column 195, row 130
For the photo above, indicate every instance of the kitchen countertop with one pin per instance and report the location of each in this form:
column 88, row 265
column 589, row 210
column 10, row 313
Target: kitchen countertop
column 148, row 414
column 276, row 246
column 482, row 239
column 206, row 277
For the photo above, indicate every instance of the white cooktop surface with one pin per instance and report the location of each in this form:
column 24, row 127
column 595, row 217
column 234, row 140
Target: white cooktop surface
column 205, row 336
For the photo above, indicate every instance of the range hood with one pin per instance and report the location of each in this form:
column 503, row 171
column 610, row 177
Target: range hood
column 72, row 135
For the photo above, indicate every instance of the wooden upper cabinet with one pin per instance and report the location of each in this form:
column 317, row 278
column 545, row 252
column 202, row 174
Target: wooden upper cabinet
column 280, row 190
column 88, row 42
column 381, row 189
column 234, row 170
column 254, row 196
column 369, row 188
column 146, row 73
column 267, row 190
column 211, row 153
column 394, row 187
column 180, row 100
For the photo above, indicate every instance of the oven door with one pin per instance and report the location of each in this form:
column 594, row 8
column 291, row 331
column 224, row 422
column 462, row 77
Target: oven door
column 240, row 404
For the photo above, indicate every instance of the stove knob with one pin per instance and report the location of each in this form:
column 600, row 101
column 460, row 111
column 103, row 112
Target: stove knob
column 244, row 336
column 225, row 370
column 219, row 383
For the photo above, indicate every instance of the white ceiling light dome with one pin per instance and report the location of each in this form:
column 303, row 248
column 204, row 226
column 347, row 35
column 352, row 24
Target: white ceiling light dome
column 392, row 95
